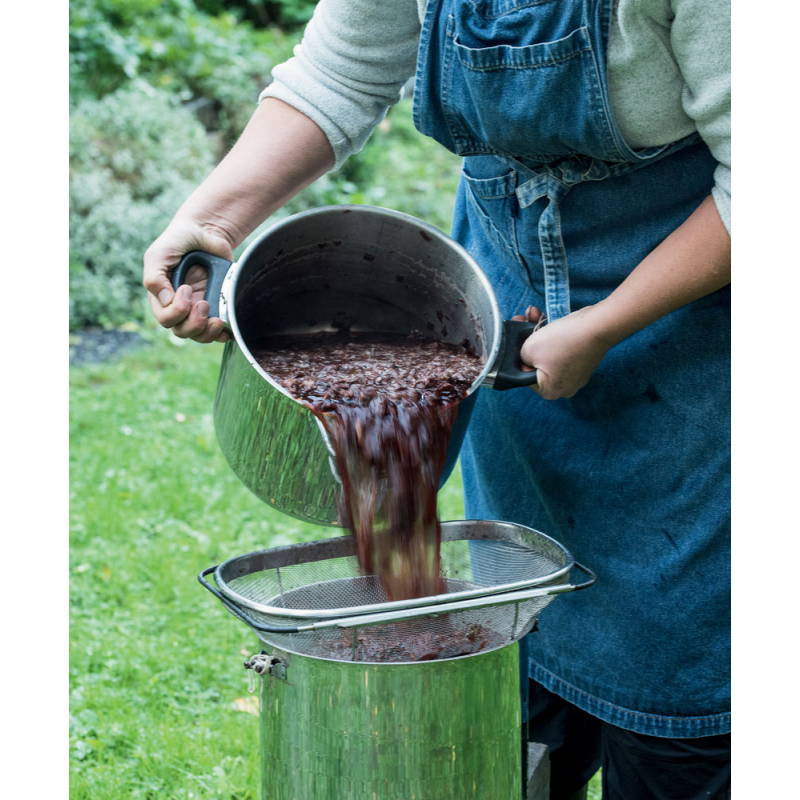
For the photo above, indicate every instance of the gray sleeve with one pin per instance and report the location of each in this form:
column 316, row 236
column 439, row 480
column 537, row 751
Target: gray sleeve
column 701, row 41
column 351, row 65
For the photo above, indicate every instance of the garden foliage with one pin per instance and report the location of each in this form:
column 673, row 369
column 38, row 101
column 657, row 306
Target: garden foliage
column 134, row 157
column 160, row 90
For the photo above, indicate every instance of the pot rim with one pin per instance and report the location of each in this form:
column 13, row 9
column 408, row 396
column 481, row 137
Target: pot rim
column 435, row 233
column 278, row 649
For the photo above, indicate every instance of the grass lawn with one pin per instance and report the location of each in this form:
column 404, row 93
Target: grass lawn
column 159, row 700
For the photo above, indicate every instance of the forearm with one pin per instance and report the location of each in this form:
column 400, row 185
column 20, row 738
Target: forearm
column 280, row 152
column 693, row 261
column 690, row 263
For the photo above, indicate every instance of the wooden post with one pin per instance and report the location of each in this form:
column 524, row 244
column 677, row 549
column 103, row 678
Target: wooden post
column 538, row 772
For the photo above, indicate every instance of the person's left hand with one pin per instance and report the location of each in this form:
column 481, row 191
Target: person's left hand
column 564, row 352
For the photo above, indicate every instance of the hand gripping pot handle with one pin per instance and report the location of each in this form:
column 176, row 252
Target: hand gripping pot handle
column 217, row 270
column 508, row 372
column 380, row 618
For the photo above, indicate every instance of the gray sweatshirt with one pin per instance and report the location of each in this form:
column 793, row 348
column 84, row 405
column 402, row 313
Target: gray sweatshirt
column 669, row 73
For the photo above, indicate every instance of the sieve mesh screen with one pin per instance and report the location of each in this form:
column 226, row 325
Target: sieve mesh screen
column 497, row 579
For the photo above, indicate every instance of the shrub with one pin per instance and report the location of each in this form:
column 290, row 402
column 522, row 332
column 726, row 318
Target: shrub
column 401, row 169
column 135, row 156
column 217, row 64
column 159, row 90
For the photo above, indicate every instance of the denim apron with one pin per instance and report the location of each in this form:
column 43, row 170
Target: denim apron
column 631, row 474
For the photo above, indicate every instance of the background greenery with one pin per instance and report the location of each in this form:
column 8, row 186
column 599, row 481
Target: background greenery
column 159, row 91
column 159, row 703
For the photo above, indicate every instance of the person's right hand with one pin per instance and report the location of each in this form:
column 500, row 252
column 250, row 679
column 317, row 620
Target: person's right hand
column 184, row 311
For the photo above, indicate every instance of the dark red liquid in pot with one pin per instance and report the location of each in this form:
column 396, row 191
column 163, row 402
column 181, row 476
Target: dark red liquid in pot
column 388, row 402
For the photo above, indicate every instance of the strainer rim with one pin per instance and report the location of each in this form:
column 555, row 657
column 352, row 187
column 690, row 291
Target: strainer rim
column 345, row 543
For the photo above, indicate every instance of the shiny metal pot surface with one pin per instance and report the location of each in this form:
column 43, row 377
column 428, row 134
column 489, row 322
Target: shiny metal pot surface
column 447, row 729
column 361, row 267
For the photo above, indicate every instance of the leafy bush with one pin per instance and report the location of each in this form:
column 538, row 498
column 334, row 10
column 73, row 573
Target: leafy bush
column 217, row 64
column 135, row 156
column 286, row 13
column 160, row 89
column 401, row 169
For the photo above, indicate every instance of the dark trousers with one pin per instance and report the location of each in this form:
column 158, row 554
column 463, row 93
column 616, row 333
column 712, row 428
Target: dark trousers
column 635, row 766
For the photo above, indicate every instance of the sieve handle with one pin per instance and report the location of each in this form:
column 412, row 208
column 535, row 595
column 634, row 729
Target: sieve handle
column 236, row 610
column 379, row 618
column 586, row 584
column 486, row 601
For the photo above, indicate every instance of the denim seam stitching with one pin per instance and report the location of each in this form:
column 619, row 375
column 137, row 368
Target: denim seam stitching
column 477, row 149
column 474, row 183
column 598, row 93
column 724, row 715
column 489, row 225
column 444, row 84
column 492, row 230
column 552, row 63
column 564, row 269
column 512, row 10
column 424, row 37
column 491, row 196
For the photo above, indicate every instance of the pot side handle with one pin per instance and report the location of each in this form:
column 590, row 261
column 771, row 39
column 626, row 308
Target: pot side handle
column 508, row 374
column 217, row 269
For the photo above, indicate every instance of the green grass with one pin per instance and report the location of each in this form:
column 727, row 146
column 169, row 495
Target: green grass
column 155, row 662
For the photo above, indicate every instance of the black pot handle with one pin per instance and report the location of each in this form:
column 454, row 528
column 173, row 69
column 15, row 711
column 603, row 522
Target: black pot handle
column 510, row 374
column 217, row 270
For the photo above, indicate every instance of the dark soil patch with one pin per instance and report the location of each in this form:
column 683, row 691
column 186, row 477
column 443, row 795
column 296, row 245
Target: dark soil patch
column 93, row 346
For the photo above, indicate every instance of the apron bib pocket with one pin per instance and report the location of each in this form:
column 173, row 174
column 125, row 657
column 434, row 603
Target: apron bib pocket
column 487, row 91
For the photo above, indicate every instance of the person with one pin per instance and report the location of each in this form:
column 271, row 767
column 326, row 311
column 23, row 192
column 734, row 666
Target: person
column 595, row 187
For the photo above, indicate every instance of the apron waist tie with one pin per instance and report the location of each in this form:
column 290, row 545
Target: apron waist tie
column 554, row 182
column 554, row 256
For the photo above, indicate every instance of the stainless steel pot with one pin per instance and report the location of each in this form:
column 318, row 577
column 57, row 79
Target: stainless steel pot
column 361, row 267
column 367, row 698
column 447, row 729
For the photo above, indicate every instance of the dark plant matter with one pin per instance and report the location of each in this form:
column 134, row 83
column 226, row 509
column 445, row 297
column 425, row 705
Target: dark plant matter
column 388, row 402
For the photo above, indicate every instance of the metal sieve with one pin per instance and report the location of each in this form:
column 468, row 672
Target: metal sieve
column 312, row 598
